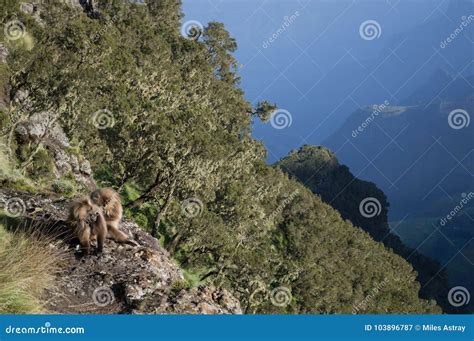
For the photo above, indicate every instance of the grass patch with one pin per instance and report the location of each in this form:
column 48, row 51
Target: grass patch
column 27, row 266
column 10, row 176
column 193, row 276
column 180, row 285
column 65, row 187
column 191, row 279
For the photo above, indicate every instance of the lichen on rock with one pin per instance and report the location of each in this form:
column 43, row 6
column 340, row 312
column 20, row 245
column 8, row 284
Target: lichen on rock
column 124, row 279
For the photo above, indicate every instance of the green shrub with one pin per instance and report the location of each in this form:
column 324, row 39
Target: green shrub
column 9, row 176
column 64, row 187
column 180, row 285
column 42, row 164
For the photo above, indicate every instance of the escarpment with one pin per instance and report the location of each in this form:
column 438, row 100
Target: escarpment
column 124, row 279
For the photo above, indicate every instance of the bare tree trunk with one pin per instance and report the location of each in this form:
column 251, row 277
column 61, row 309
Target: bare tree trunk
column 174, row 243
column 132, row 169
column 122, row 182
column 162, row 211
column 140, row 200
column 147, row 194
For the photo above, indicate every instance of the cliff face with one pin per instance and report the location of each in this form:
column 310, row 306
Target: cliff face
column 125, row 279
column 129, row 100
column 319, row 170
column 426, row 171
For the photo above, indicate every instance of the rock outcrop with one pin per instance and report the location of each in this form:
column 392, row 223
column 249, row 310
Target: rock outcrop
column 42, row 128
column 124, row 279
column 3, row 53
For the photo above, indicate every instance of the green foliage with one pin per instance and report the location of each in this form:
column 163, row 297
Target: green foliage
column 10, row 176
column 33, row 171
column 177, row 132
column 180, row 285
column 193, row 277
column 144, row 216
column 319, row 170
column 3, row 118
column 264, row 110
column 130, row 192
column 220, row 46
column 42, row 164
column 64, row 187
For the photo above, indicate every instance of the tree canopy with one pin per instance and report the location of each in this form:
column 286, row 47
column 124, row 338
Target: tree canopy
column 161, row 117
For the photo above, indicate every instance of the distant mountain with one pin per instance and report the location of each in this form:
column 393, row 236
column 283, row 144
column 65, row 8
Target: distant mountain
column 366, row 206
column 406, row 63
column 410, row 58
column 421, row 154
column 418, row 153
column 175, row 143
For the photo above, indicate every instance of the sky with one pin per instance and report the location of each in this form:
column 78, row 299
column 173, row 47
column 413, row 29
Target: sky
column 321, row 65
column 321, row 61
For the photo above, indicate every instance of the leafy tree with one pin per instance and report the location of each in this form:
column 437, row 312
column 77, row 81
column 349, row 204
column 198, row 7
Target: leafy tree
column 264, row 110
column 318, row 168
column 162, row 117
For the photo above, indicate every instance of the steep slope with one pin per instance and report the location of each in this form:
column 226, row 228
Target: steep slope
column 349, row 80
column 365, row 206
column 126, row 279
column 421, row 156
column 160, row 117
column 432, row 152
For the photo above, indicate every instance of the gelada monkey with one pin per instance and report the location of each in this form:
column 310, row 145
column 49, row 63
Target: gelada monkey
column 109, row 201
column 89, row 223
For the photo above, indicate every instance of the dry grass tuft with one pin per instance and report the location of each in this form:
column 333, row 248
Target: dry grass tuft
column 28, row 264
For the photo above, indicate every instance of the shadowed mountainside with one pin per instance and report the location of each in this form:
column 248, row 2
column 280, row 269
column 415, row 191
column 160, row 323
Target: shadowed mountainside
column 159, row 116
column 319, row 170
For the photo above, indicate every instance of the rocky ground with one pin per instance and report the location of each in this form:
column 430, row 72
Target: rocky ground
column 124, row 279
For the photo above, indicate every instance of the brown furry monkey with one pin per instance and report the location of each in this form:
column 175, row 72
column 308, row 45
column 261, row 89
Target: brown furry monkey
column 89, row 223
column 109, row 201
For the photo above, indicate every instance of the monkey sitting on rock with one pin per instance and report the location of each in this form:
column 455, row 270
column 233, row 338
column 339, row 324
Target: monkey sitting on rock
column 96, row 217
column 89, row 223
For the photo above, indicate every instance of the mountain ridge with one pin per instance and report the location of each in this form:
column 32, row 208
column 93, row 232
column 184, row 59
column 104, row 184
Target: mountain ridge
column 337, row 186
column 159, row 116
